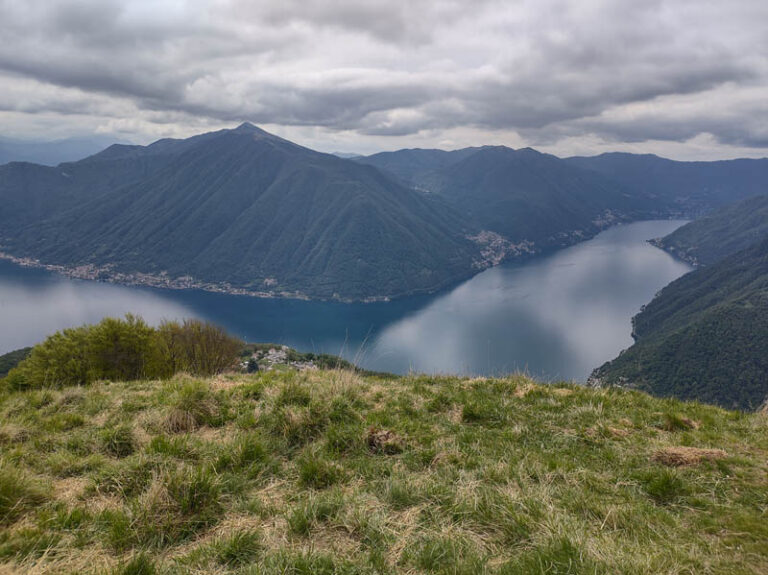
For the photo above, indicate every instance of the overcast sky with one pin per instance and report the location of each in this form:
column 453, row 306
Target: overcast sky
column 686, row 79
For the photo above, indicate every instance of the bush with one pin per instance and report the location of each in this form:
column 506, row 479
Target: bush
column 123, row 350
column 196, row 347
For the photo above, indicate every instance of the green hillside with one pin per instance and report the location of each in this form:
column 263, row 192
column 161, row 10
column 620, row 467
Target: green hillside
column 237, row 207
column 338, row 473
column 704, row 336
column 10, row 360
column 724, row 232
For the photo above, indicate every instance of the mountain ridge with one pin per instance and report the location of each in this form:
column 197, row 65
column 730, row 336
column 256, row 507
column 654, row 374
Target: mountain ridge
column 244, row 187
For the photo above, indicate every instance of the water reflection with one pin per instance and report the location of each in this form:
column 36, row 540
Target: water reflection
column 557, row 317
column 35, row 303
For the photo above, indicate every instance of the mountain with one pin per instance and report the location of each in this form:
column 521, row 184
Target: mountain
column 52, row 153
column 11, row 359
column 704, row 336
column 238, row 209
column 721, row 233
column 526, row 195
column 416, row 167
column 695, row 187
column 523, row 195
column 346, row 155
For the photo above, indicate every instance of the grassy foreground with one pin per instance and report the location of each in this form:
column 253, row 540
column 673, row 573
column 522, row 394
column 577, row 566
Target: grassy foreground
column 335, row 472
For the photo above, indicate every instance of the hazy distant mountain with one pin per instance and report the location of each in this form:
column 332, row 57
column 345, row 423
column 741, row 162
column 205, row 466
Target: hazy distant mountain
column 54, row 152
column 521, row 194
column 416, row 167
column 524, row 194
column 704, row 336
column 346, row 155
column 241, row 207
column 696, row 187
column 721, row 233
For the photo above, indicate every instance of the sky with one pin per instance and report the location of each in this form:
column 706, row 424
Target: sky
column 686, row 79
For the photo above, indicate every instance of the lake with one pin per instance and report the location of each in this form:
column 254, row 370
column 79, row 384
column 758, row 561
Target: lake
column 555, row 317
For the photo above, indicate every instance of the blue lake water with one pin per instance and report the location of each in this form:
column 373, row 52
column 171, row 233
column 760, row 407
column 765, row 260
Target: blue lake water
column 556, row 317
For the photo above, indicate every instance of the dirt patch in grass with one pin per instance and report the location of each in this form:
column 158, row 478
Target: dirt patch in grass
column 682, row 456
column 523, row 390
column 70, row 489
column 384, row 441
column 617, row 432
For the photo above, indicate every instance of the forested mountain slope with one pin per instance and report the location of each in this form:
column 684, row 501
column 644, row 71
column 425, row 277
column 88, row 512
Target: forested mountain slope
column 237, row 207
column 521, row 194
column 721, row 233
column 704, row 336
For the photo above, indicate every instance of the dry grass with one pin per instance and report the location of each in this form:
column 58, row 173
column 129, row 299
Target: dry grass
column 680, row 456
column 334, row 472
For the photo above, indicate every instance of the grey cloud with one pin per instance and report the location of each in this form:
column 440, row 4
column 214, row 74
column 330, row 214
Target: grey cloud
column 546, row 69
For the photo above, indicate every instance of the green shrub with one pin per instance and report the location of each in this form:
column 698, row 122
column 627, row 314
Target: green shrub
column 195, row 347
column 120, row 349
column 123, row 350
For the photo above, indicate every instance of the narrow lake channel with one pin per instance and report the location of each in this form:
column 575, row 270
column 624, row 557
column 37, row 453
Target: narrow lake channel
column 556, row 317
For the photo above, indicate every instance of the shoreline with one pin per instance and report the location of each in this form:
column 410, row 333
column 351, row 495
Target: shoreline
column 106, row 274
column 495, row 250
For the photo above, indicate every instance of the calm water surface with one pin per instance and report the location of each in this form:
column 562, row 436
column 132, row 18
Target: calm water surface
column 557, row 317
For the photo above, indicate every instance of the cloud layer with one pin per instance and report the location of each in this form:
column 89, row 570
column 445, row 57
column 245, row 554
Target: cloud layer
column 567, row 76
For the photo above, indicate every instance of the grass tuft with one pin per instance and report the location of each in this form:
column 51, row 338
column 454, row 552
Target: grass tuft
column 236, row 550
column 317, row 472
column 19, row 494
column 140, row 564
column 118, row 441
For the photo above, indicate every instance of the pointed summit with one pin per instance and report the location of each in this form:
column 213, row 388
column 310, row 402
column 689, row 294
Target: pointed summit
column 248, row 127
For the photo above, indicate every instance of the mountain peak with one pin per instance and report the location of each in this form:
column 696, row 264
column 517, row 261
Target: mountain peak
column 248, row 127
